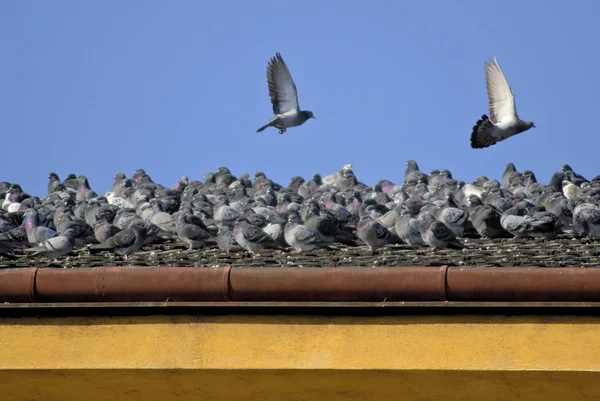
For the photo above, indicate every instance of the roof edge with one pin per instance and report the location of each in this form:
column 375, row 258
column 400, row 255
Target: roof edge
column 275, row 284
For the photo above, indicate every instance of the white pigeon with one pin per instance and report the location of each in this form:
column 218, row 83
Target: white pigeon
column 284, row 97
column 503, row 121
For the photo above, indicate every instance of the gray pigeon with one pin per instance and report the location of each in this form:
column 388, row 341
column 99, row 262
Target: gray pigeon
column 192, row 234
column 36, row 233
column 374, row 234
column 103, row 230
column 126, row 242
column 586, row 220
column 485, row 218
column 519, row 223
column 284, row 97
column 436, row 234
column 452, row 216
column 55, row 247
column 503, row 121
column 407, row 228
column 413, row 175
column 16, row 237
column 302, row 238
column 226, row 240
column 253, row 238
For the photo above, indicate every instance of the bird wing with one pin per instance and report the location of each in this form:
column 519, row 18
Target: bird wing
column 441, row 231
column 254, row 233
column 305, row 235
column 122, row 239
column 282, row 89
column 500, row 95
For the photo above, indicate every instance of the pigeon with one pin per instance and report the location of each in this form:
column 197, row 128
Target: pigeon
column 503, row 121
column 519, row 223
column 413, row 175
column 572, row 176
column 328, row 226
column 126, row 242
column 84, row 192
column 302, row 238
column 103, row 230
column 16, row 237
column 407, row 228
column 452, row 216
column 437, row 235
column 374, row 234
column 36, row 233
column 55, row 247
column 54, row 181
column 569, row 189
column 510, row 173
column 586, row 220
column 71, row 182
column 226, row 240
column 253, row 238
column 284, row 97
column 485, row 218
column 195, row 235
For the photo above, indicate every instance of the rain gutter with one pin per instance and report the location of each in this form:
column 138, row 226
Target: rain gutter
column 113, row 287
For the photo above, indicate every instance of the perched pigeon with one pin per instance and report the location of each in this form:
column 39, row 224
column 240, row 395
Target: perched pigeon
column 195, row 235
column 485, row 219
column 407, row 228
column 452, row 216
column 103, row 230
column 253, row 238
column 374, row 234
column 437, row 235
column 126, row 242
column 569, row 189
column 284, row 97
column 519, row 223
column 302, row 238
column 226, row 240
column 36, row 233
column 55, row 247
column 503, row 121
column 413, row 175
column 586, row 220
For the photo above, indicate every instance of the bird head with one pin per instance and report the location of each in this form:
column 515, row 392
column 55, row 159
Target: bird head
column 310, row 114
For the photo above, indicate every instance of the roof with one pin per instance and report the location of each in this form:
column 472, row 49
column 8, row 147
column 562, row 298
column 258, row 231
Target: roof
column 564, row 251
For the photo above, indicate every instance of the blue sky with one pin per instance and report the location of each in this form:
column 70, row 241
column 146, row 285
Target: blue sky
column 178, row 88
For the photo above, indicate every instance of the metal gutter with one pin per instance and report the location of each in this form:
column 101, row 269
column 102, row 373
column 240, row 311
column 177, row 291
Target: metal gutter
column 244, row 286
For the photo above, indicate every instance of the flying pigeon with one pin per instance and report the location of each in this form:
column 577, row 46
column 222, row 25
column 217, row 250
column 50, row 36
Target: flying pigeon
column 284, row 97
column 503, row 121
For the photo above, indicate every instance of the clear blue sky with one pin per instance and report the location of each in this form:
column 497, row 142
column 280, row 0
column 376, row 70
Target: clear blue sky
column 178, row 88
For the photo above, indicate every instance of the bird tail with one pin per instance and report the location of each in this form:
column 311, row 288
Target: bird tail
column 268, row 124
column 455, row 244
column 261, row 129
column 481, row 137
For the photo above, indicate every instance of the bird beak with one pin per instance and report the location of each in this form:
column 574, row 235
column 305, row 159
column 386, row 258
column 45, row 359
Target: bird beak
column 534, row 126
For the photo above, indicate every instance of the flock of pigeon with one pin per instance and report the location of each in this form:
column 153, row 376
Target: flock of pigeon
column 502, row 123
column 239, row 214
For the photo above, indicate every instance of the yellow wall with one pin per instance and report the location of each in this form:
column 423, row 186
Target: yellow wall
column 300, row 358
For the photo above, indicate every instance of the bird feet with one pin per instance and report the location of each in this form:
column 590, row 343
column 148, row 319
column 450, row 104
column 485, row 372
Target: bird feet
column 282, row 131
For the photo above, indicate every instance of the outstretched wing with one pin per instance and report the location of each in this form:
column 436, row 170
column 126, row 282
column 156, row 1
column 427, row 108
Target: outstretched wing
column 500, row 95
column 282, row 89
